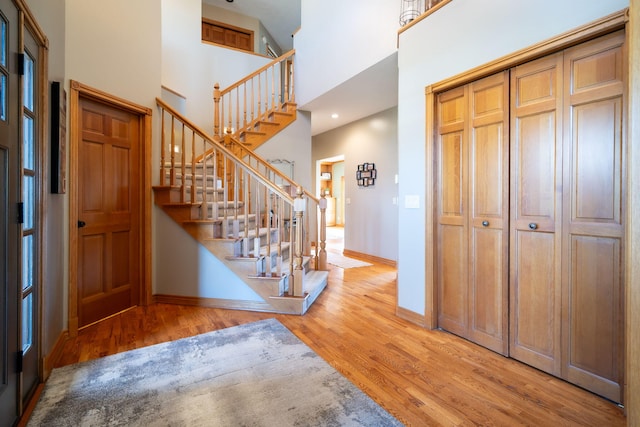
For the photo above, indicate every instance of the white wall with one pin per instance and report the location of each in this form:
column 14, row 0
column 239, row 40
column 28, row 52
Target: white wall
column 50, row 15
column 115, row 47
column 292, row 144
column 339, row 39
column 371, row 217
column 191, row 67
column 460, row 36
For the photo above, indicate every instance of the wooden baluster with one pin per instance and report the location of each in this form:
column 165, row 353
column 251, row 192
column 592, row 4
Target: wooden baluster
column 322, row 256
column 193, row 167
column 266, row 93
column 256, row 239
column 225, row 191
column 163, row 147
column 292, row 247
column 244, row 107
column 245, row 240
column 280, row 223
column 298, row 272
column 268, row 216
column 204, row 207
column 230, row 118
column 253, row 98
column 273, row 88
column 259, row 96
column 183, row 168
column 234, row 205
column 237, row 128
column 172, row 171
column 216, row 176
column 216, row 110
column 291, row 93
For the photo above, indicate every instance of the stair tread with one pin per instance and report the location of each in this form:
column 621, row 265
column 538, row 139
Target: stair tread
column 267, row 122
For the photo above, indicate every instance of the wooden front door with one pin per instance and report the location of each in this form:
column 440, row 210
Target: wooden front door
column 473, row 159
column 108, row 241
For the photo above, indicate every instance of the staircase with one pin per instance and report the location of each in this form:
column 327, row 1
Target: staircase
column 249, row 215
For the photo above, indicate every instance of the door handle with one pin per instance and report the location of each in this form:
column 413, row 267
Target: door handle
column 533, row 226
column 81, row 224
column 485, row 223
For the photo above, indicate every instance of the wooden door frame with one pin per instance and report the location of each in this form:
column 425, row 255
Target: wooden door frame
column 78, row 91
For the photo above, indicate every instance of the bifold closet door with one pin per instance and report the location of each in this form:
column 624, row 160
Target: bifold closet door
column 536, row 213
column 594, row 177
column 472, row 228
column 567, row 204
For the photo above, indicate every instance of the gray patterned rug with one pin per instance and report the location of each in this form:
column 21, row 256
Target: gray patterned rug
column 258, row 374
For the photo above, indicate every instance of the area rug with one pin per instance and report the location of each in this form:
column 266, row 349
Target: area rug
column 345, row 262
column 257, row 374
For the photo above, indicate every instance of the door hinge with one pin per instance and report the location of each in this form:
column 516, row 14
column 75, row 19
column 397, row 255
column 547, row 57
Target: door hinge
column 20, row 213
column 21, row 64
column 19, row 361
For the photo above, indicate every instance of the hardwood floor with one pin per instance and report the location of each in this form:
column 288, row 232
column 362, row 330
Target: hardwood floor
column 422, row 377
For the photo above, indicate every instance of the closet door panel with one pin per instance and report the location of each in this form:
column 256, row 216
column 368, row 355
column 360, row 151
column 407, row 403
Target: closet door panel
column 593, row 315
column 535, row 308
column 536, row 197
column 488, row 188
column 452, row 268
column 595, row 305
column 452, row 236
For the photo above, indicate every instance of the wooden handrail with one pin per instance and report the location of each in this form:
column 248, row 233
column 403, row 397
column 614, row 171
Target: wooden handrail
column 220, row 147
column 279, row 59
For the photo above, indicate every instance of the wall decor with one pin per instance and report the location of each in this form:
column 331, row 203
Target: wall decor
column 366, row 174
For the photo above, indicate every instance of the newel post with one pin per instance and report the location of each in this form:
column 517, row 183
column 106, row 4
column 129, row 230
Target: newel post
column 216, row 109
column 322, row 256
column 298, row 273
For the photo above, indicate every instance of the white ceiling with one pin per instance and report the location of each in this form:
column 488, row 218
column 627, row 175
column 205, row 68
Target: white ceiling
column 371, row 91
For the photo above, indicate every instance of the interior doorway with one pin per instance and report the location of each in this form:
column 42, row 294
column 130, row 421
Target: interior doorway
column 109, row 227
column 330, row 183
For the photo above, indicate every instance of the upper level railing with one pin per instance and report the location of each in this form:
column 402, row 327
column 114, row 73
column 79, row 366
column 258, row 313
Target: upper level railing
column 413, row 11
column 243, row 104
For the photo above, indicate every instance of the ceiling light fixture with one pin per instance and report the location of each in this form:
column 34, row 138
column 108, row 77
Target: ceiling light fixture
column 335, row 116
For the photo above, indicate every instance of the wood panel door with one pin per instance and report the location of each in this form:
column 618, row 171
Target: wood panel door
column 536, row 213
column 108, row 211
column 594, row 176
column 473, row 212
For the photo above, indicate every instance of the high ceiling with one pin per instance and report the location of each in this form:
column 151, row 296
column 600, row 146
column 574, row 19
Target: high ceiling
column 371, row 91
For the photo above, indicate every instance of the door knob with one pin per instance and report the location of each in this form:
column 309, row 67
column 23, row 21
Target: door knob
column 485, row 223
column 533, row 226
column 81, row 224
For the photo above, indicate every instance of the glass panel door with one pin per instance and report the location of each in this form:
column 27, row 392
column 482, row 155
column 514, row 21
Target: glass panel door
column 30, row 225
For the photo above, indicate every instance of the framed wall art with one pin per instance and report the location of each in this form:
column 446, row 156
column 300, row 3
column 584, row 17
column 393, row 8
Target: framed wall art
column 366, row 174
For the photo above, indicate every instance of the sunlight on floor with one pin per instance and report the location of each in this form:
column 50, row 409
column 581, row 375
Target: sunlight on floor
column 335, row 239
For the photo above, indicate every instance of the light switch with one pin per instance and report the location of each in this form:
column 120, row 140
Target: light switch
column 412, row 201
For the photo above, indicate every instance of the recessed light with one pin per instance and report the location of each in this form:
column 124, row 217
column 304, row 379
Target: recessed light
column 335, row 116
